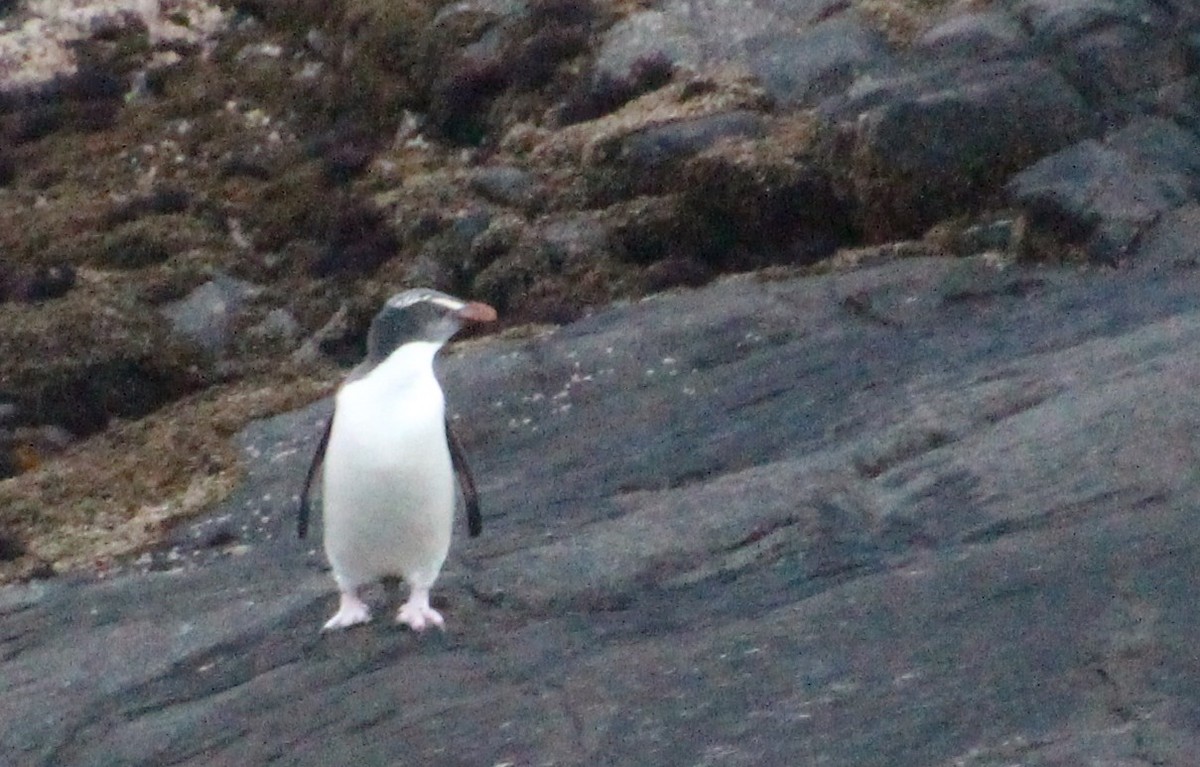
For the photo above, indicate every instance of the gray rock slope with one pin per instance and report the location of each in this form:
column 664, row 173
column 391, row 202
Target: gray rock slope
column 926, row 513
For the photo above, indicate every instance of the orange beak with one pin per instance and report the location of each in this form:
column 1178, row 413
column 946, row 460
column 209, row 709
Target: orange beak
column 477, row 312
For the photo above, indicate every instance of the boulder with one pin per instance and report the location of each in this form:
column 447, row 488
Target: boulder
column 799, row 70
column 932, row 147
column 702, row 33
column 977, row 36
column 1172, row 243
column 206, row 317
column 1063, row 19
column 1103, row 195
column 506, row 185
column 644, row 36
column 1118, row 68
column 651, row 152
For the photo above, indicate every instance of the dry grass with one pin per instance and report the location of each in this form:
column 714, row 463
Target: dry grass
column 118, row 491
column 903, row 21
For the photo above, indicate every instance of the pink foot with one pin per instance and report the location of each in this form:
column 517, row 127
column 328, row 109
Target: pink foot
column 417, row 614
column 351, row 612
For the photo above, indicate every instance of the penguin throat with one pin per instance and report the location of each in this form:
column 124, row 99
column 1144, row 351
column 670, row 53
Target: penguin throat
column 407, row 366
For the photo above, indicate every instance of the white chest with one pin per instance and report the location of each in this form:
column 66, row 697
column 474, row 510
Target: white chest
column 389, row 482
column 392, row 418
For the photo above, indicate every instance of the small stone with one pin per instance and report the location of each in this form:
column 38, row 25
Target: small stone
column 205, row 317
column 505, row 185
column 979, row 36
column 800, row 69
column 278, row 327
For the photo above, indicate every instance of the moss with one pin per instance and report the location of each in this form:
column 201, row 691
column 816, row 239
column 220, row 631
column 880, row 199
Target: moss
column 8, row 169
column 648, row 230
column 100, row 354
column 536, row 59
column 117, row 492
column 526, row 66
column 162, row 199
column 147, row 242
column 386, row 67
column 902, row 21
column 293, row 16
column 39, row 283
column 358, row 239
column 11, row 548
column 506, row 282
column 287, row 208
column 460, row 97
column 390, row 33
column 191, row 89
column 346, row 150
column 598, row 95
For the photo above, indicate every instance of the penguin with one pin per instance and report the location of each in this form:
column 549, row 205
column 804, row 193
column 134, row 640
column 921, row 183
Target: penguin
column 389, row 459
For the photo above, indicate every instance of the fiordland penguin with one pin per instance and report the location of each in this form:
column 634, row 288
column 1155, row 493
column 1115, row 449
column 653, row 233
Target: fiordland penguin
column 390, row 460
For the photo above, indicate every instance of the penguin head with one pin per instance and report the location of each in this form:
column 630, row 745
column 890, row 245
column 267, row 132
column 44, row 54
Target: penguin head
column 421, row 315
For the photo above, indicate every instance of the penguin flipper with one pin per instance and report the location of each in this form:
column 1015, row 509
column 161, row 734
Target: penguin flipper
column 466, row 481
column 318, row 458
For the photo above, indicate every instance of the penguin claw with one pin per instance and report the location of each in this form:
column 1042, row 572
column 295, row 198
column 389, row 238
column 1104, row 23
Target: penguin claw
column 351, row 612
column 418, row 617
column 340, row 621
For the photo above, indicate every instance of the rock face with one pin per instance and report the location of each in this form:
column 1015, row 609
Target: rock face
column 924, row 513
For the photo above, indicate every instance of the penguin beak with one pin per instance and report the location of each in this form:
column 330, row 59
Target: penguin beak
column 477, row 312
